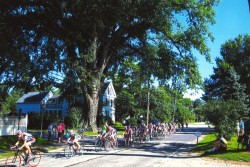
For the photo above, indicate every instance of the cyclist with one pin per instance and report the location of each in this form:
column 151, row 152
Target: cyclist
column 150, row 128
column 102, row 134
column 112, row 133
column 28, row 141
column 128, row 134
column 74, row 138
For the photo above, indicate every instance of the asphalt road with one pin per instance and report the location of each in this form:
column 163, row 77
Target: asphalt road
column 151, row 153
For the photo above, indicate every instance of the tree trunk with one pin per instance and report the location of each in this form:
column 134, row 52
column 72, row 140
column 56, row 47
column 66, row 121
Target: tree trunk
column 92, row 93
column 93, row 108
column 93, row 101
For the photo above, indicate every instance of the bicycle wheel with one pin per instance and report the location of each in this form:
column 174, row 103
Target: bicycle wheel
column 116, row 143
column 35, row 159
column 68, row 151
column 98, row 145
column 107, row 145
column 81, row 150
column 13, row 160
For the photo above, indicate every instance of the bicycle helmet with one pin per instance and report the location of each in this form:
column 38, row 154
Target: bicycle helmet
column 19, row 132
column 99, row 130
column 70, row 131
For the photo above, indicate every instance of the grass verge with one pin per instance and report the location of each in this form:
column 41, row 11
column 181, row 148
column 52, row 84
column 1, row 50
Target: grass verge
column 232, row 153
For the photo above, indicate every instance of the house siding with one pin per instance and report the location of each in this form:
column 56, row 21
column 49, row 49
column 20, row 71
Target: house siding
column 28, row 107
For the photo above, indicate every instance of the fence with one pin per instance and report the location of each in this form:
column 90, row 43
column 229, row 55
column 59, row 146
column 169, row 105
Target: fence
column 9, row 125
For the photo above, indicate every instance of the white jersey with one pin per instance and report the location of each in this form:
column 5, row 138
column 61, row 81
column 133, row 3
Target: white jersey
column 27, row 136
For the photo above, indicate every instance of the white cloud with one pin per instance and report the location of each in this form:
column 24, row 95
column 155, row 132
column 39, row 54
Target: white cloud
column 193, row 94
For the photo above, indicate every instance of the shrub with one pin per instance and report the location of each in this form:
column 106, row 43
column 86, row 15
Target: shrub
column 73, row 120
column 132, row 121
column 118, row 126
column 223, row 114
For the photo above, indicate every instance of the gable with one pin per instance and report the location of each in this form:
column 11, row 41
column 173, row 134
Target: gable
column 110, row 91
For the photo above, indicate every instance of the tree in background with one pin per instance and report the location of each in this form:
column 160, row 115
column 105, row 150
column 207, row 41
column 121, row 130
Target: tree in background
column 223, row 114
column 73, row 120
column 225, row 97
column 236, row 53
column 184, row 110
column 8, row 105
column 160, row 105
column 224, row 84
column 198, row 110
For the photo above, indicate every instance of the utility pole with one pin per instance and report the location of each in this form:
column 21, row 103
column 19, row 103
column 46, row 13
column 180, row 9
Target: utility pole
column 148, row 103
column 174, row 106
column 42, row 111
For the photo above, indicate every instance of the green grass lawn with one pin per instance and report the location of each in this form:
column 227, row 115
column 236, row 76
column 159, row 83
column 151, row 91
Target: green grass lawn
column 232, row 153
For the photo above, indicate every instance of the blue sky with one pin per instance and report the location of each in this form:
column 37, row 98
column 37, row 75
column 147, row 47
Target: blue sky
column 232, row 19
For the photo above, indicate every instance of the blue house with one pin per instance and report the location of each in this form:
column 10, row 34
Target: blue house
column 35, row 102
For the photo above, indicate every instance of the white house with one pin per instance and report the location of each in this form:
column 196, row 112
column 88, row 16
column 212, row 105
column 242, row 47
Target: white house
column 108, row 100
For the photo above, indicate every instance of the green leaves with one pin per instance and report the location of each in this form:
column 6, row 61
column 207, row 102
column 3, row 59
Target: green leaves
column 223, row 114
column 85, row 41
column 226, row 92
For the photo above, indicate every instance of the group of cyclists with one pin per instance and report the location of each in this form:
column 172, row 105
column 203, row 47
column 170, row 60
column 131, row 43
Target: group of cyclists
column 142, row 132
column 131, row 134
column 110, row 133
column 73, row 137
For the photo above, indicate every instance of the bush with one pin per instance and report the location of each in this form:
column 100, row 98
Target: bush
column 118, row 126
column 7, row 141
column 41, row 141
column 132, row 121
column 223, row 114
column 74, row 118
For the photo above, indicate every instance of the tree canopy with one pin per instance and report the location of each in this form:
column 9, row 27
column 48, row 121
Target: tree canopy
column 226, row 92
column 74, row 44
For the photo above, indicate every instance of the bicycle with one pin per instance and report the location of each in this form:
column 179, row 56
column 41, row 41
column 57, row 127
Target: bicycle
column 16, row 158
column 99, row 144
column 111, row 144
column 70, row 150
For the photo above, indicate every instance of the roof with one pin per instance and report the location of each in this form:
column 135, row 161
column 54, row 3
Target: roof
column 55, row 96
column 33, row 97
column 109, row 89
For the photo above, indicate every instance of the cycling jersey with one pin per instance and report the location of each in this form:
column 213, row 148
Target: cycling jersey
column 75, row 136
column 111, row 130
column 103, row 133
column 28, row 137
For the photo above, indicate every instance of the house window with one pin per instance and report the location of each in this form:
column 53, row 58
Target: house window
column 107, row 102
column 106, row 113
